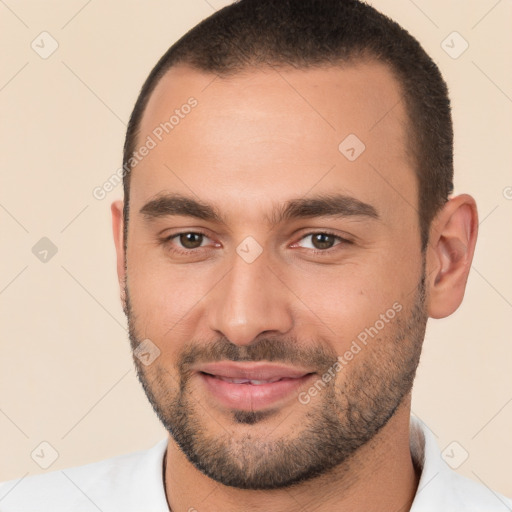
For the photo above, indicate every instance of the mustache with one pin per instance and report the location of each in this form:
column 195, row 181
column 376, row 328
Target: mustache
column 283, row 350
column 266, row 349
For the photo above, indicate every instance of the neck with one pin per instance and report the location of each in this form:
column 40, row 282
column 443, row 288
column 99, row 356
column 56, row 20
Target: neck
column 380, row 476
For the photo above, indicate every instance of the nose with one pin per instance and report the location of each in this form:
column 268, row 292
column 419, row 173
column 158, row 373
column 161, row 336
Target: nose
column 250, row 300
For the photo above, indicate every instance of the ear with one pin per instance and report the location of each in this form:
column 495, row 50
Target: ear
column 118, row 231
column 452, row 240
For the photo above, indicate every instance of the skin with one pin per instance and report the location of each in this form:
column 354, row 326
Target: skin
column 254, row 140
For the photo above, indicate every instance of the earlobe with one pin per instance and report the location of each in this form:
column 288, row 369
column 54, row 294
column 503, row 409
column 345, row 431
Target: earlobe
column 453, row 235
column 118, row 232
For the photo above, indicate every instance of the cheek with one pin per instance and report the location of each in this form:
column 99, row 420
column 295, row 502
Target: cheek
column 165, row 297
column 344, row 302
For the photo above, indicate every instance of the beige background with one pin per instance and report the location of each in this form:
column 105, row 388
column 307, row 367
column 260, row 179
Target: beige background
column 66, row 375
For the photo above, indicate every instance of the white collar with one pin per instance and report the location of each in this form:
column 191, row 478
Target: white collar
column 440, row 487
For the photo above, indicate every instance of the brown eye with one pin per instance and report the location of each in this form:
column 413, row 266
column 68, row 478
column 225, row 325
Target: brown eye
column 191, row 240
column 323, row 240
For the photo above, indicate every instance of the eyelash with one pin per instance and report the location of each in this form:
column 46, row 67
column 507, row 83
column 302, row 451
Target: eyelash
column 167, row 241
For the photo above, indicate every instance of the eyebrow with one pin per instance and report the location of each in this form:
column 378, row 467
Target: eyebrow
column 330, row 205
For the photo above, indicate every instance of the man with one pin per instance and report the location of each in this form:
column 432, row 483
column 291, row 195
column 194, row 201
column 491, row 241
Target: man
column 286, row 231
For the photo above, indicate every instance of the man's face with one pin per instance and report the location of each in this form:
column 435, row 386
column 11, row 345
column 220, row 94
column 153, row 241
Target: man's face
column 286, row 340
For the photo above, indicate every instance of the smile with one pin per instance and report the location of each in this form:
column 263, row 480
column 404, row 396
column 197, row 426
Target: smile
column 252, row 386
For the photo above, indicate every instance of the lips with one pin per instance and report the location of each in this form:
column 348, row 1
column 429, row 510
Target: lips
column 252, row 371
column 252, row 386
column 263, row 371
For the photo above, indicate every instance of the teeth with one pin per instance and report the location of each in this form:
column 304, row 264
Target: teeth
column 248, row 381
column 236, row 381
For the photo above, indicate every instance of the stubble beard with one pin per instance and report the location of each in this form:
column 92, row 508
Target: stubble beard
column 348, row 413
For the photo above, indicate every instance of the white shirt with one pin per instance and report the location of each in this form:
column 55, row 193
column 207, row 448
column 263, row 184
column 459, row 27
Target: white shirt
column 134, row 483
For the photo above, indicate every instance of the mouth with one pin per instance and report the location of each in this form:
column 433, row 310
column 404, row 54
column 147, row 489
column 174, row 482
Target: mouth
column 252, row 386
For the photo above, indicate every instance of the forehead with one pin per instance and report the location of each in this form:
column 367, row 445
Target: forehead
column 267, row 132
column 351, row 96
